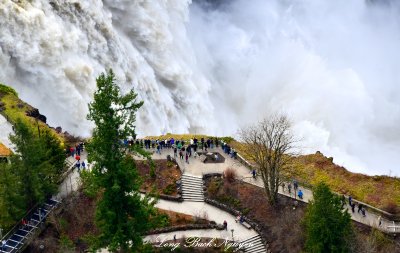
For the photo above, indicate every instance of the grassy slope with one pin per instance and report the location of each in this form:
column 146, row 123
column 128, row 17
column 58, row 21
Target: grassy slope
column 379, row 191
column 16, row 109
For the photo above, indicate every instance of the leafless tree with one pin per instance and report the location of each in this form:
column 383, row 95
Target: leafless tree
column 268, row 145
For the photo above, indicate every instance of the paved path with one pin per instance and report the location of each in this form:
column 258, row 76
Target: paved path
column 198, row 168
column 72, row 181
column 204, row 210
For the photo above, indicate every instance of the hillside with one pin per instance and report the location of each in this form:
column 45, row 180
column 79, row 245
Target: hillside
column 13, row 109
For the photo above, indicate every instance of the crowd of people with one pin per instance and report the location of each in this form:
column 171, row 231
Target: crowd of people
column 75, row 152
column 183, row 149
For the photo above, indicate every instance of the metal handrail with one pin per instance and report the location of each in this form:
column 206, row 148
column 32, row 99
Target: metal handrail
column 375, row 209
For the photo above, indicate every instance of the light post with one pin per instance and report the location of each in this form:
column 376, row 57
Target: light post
column 232, row 234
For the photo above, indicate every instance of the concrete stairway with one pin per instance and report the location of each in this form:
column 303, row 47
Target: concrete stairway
column 192, row 188
column 256, row 245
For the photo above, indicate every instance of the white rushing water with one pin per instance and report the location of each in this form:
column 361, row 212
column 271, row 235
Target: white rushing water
column 331, row 65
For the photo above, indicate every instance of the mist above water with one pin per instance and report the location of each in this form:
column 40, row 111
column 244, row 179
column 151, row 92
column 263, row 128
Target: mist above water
column 213, row 66
column 333, row 66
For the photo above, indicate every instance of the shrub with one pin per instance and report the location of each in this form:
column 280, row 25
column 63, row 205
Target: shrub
column 66, row 244
column 230, row 190
column 214, row 187
column 169, row 189
column 230, row 175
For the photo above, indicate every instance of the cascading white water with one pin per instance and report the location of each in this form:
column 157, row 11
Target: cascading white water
column 331, row 65
column 52, row 51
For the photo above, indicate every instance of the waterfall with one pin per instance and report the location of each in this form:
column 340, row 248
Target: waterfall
column 214, row 66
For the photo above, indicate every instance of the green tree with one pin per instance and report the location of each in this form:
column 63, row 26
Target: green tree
column 328, row 225
column 122, row 215
column 33, row 173
column 12, row 201
column 31, row 165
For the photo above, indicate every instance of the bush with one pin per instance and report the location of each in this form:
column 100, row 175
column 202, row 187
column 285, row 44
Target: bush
column 230, row 175
column 66, row 244
column 214, row 187
column 169, row 189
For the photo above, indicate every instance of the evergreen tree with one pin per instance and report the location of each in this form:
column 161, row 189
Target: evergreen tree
column 12, row 201
column 33, row 173
column 30, row 165
column 122, row 215
column 327, row 224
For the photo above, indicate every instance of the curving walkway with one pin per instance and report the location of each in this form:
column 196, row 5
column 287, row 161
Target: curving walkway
column 198, row 168
column 204, row 210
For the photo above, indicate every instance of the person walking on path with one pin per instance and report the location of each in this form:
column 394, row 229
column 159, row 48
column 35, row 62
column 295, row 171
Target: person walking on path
column 175, row 152
column 78, row 166
column 300, row 194
column 353, row 206
column 350, row 200
column 159, row 149
column 295, row 185
column 83, row 165
column 254, row 173
column 289, row 187
column 363, row 211
column 283, row 186
column 187, row 158
column 226, row 225
column 360, row 206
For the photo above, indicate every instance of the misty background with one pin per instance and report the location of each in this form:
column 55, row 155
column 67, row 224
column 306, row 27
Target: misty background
column 214, row 66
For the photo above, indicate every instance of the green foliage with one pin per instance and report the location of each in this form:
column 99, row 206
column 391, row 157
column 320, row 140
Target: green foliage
column 89, row 186
column 12, row 201
column 7, row 90
column 169, row 189
column 34, row 165
column 163, row 220
column 122, row 214
column 152, row 170
column 63, row 224
column 214, row 186
column 66, row 244
column 32, row 175
column 327, row 224
column 170, row 164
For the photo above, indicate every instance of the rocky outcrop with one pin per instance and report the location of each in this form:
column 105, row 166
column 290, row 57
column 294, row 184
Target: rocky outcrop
column 34, row 113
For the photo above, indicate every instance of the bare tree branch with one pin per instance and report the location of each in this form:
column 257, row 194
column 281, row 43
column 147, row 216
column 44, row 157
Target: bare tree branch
column 268, row 144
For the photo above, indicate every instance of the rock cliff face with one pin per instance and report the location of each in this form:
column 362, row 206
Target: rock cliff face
column 34, row 113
